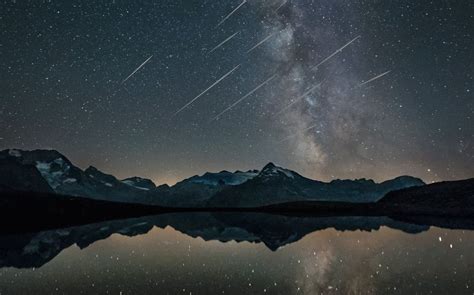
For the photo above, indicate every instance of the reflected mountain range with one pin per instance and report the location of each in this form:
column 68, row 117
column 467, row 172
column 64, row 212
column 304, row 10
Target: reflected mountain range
column 274, row 231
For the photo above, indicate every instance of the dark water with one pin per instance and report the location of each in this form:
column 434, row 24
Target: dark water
column 240, row 254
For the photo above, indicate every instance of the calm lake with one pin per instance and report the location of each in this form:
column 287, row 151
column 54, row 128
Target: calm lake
column 237, row 253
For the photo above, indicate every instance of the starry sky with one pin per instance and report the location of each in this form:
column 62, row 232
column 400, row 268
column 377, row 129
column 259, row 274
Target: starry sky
column 329, row 88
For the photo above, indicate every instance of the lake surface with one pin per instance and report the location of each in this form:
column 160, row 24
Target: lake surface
column 236, row 253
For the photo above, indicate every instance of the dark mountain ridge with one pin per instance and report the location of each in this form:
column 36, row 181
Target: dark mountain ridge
column 50, row 171
column 65, row 178
column 278, row 185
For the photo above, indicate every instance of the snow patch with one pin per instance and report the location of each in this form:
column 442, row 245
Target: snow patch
column 288, row 173
column 142, row 188
column 129, row 182
column 69, row 180
column 54, row 178
column 132, row 184
column 14, row 153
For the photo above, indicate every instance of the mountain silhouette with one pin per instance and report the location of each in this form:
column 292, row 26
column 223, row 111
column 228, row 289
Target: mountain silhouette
column 270, row 185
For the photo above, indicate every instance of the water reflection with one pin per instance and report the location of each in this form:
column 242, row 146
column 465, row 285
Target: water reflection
column 235, row 252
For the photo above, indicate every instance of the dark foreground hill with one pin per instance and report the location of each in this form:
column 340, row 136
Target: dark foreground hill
column 449, row 198
column 446, row 198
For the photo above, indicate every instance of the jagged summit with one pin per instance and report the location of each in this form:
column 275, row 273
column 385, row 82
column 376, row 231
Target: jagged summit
column 358, row 180
column 221, row 178
column 140, row 183
column 404, row 179
column 269, row 166
column 271, row 170
column 63, row 177
column 30, row 157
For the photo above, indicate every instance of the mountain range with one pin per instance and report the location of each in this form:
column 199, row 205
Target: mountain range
column 47, row 204
column 49, row 171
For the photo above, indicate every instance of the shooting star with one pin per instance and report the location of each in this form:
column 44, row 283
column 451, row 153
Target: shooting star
column 223, row 42
column 336, row 52
column 231, row 13
column 298, row 99
column 295, row 135
column 205, row 91
column 244, row 97
column 374, row 78
column 136, row 70
column 281, row 5
column 260, row 43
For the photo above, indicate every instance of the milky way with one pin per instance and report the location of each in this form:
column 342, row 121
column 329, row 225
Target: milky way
column 62, row 64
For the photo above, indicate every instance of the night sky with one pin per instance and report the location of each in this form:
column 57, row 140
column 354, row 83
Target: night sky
column 65, row 84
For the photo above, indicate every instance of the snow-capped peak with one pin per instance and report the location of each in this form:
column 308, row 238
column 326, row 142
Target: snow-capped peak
column 271, row 170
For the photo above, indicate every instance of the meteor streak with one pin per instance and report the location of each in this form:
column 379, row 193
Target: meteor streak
column 244, row 97
column 298, row 99
column 205, row 91
column 336, row 52
column 231, row 13
column 374, row 78
column 281, row 5
column 295, row 135
column 223, row 42
column 136, row 70
column 260, row 43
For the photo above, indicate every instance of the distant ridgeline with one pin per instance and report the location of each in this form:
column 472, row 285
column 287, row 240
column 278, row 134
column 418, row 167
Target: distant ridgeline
column 49, row 171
